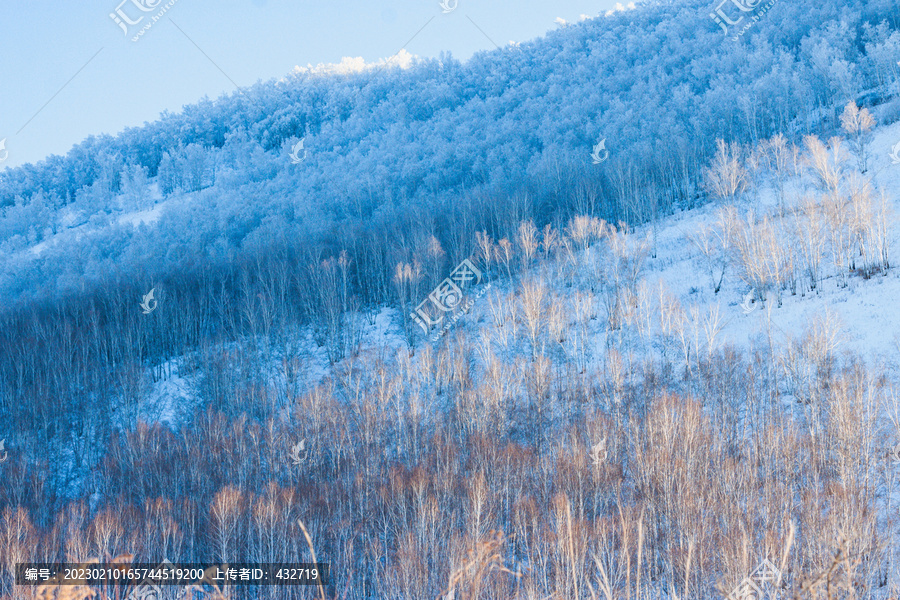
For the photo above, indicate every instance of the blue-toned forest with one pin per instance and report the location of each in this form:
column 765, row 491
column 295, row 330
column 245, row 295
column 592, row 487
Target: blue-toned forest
column 585, row 432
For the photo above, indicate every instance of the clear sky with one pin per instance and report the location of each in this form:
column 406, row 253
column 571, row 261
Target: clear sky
column 68, row 70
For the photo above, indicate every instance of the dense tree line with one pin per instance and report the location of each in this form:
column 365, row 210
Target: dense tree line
column 386, row 143
column 516, row 458
column 479, row 455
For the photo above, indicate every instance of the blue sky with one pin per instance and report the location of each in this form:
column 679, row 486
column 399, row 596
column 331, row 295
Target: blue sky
column 68, row 72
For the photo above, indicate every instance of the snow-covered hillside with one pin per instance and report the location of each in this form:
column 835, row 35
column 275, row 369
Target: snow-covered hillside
column 607, row 314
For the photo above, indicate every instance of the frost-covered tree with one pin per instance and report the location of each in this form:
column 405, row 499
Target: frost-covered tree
column 858, row 124
column 134, row 185
column 726, row 178
column 167, row 176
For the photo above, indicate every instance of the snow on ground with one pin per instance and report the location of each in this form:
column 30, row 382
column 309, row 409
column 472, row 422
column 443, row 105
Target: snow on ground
column 147, row 217
column 75, row 221
column 865, row 311
column 168, row 397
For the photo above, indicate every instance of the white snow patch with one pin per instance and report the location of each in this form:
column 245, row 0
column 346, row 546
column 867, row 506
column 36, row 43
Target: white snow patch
column 146, row 217
column 169, row 398
column 357, row 64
